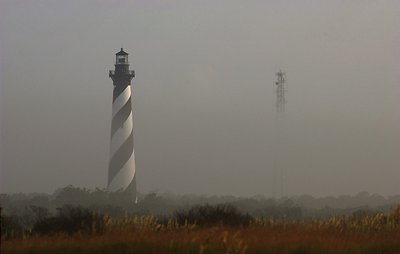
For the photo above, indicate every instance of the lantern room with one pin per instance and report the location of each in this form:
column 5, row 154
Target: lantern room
column 121, row 57
column 121, row 73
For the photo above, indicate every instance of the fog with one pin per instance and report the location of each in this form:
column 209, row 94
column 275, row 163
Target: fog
column 204, row 101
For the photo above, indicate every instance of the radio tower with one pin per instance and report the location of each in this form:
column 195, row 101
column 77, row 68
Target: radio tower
column 280, row 94
column 279, row 169
column 121, row 172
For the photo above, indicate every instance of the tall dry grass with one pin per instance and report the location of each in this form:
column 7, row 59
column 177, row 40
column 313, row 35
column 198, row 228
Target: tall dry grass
column 379, row 233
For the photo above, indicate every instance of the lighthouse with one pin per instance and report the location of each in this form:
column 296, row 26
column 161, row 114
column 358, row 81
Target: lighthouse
column 122, row 170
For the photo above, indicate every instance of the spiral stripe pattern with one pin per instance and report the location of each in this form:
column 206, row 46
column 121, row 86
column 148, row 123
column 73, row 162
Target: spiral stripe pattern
column 121, row 174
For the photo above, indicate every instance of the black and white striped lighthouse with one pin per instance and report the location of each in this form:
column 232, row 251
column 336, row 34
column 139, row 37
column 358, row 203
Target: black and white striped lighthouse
column 122, row 172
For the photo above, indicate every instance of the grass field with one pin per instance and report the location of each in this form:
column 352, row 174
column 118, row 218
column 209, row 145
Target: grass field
column 368, row 234
column 279, row 239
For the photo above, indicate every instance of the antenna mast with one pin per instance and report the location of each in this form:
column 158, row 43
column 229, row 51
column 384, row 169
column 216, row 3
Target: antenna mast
column 280, row 174
column 280, row 93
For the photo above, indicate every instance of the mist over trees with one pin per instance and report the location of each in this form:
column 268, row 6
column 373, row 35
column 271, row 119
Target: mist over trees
column 165, row 204
column 72, row 209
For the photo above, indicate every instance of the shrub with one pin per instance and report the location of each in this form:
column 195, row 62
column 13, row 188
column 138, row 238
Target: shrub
column 11, row 227
column 72, row 220
column 395, row 216
column 223, row 214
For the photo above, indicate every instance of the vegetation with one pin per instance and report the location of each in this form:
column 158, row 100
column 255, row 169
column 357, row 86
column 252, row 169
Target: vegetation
column 71, row 220
column 74, row 220
column 207, row 215
column 207, row 232
column 29, row 207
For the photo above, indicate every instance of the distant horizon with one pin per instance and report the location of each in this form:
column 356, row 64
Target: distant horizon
column 210, row 195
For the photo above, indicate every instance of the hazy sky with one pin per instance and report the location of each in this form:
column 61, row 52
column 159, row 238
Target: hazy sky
column 204, row 110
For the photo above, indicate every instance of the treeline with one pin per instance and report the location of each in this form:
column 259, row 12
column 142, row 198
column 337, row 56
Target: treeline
column 119, row 203
column 27, row 212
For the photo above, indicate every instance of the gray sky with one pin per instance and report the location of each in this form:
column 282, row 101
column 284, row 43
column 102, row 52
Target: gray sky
column 203, row 96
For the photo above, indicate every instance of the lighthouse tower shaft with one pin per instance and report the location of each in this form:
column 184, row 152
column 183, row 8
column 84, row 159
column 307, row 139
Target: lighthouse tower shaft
column 122, row 169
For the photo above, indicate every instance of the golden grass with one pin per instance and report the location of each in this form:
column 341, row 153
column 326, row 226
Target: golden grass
column 370, row 234
column 279, row 239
